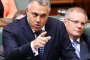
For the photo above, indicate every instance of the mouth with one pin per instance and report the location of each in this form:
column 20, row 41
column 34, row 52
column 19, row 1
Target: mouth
column 37, row 25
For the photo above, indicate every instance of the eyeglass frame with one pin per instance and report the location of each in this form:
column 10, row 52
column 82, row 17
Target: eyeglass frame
column 75, row 22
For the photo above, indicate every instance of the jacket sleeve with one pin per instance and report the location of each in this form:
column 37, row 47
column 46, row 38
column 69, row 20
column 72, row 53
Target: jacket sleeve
column 12, row 49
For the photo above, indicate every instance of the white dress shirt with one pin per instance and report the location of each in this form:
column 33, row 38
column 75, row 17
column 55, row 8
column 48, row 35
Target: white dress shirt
column 33, row 49
column 31, row 44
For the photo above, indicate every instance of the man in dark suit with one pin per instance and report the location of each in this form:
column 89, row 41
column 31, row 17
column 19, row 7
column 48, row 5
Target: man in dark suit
column 21, row 43
column 75, row 20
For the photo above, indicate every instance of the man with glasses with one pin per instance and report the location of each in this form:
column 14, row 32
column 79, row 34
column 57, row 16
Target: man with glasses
column 75, row 20
column 37, row 36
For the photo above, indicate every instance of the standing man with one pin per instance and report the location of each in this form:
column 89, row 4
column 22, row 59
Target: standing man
column 75, row 20
column 21, row 43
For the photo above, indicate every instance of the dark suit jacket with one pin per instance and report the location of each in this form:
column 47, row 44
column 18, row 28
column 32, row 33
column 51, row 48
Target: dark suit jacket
column 18, row 35
column 85, row 47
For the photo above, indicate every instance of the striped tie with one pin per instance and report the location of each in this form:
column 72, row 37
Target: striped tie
column 74, row 43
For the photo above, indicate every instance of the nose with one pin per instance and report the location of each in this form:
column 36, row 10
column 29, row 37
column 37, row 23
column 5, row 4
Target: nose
column 38, row 19
column 79, row 25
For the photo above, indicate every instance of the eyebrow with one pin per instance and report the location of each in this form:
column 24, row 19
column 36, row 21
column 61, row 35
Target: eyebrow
column 38, row 14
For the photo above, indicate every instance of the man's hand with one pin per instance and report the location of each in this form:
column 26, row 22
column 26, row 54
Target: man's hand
column 41, row 40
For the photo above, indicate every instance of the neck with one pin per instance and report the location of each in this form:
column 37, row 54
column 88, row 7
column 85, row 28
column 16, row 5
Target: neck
column 73, row 37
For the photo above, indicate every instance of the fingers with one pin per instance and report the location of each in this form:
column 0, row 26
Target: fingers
column 41, row 40
column 45, row 39
column 43, row 34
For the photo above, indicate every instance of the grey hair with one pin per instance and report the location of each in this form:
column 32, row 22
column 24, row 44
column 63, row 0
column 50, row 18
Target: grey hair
column 78, row 9
column 41, row 2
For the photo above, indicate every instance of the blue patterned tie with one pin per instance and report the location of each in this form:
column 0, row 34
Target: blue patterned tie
column 74, row 43
column 41, row 50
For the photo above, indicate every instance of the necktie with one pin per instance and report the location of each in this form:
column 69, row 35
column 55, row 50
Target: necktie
column 41, row 50
column 76, row 49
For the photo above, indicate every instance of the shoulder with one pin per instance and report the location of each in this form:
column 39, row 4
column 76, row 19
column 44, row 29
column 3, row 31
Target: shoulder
column 55, row 24
column 15, row 25
column 85, row 38
column 11, row 27
column 54, row 21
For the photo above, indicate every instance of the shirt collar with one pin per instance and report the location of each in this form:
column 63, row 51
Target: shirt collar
column 78, row 40
column 43, row 28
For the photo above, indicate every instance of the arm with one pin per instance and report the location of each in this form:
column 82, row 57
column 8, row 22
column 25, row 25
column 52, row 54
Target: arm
column 12, row 49
column 12, row 9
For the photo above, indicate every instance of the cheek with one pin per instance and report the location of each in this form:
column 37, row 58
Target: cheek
column 70, row 29
column 31, row 19
column 43, row 22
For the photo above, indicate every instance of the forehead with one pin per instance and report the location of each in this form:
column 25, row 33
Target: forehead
column 77, row 15
column 36, row 7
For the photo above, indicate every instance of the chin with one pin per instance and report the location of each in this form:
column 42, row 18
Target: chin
column 36, row 29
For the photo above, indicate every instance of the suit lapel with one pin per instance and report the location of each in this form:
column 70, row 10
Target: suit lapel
column 26, row 30
column 29, row 34
column 83, row 49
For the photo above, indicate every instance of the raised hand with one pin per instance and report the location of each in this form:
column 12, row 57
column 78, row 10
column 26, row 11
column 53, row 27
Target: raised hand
column 41, row 40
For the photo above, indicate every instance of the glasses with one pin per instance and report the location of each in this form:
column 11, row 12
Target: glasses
column 76, row 22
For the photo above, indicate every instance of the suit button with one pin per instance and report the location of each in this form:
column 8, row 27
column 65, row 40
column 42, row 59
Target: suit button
column 28, row 58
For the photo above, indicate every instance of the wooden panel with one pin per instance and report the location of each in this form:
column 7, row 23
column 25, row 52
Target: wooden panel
column 61, row 1
column 53, row 11
column 85, row 4
column 88, row 21
column 54, row 8
column 57, row 4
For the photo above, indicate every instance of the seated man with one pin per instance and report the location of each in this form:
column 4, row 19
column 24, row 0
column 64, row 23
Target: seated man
column 75, row 20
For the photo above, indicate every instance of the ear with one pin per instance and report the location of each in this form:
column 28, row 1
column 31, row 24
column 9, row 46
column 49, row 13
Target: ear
column 64, row 21
column 27, row 13
column 27, row 10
